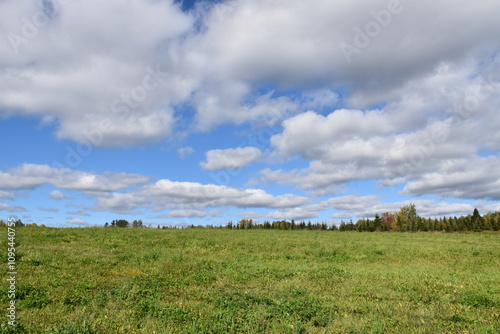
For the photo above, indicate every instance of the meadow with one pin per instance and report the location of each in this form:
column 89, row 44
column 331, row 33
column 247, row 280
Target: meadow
column 96, row 280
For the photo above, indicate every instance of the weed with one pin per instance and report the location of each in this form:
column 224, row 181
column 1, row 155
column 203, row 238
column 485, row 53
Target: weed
column 476, row 299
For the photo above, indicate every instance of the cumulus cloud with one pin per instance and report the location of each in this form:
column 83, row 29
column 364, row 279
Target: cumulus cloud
column 293, row 213
column 411, row 107
column 78, row 213
column 77, row 221
column 6, row 195
column 231, row 158
column 185, row 151
column 367, row 206
column 188, row 195
column 114, row 93
column 289, row 42
column 250, row 215
column 58, row 195
column 31, row 176
column 429, row 123
column 41, row 208
column 213, row 58
column 184, row 214
column 11, row 208
column 320, row 178
column 233, row 102
column 353, row 207
column 469, row 179
column 346, row 203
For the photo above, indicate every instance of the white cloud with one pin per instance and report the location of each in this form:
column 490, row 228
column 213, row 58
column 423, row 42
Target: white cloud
column 293, row 213
column 429, row 123
column 320, row 98
column 311, row 131
column 486, row 206
column 31, row 176
column 215, row 58
column 470, row 179
column 58, row 195
column 178, row 224
column 189, row 195
column 10, row 208
column 185, row 151
column 119, row 93
column 184, row 214
column 346, row 203
column 78, row 213
column 367, row 206
column 6, row 195
column 289, row 42
column 41, row 208
column 320, row 178
column 414, row 107
column 77, row 221
column 231, row 158
column 250, row 215
column 292, row 45
column 233, row 102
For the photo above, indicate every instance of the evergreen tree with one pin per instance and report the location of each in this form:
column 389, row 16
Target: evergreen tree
column 476, row 221
column 342, row 226
column 377, row 223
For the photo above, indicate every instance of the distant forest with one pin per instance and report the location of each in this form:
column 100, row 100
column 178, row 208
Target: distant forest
column 404, row 220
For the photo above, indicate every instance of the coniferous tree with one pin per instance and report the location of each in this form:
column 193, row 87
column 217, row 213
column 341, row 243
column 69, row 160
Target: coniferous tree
column 476, row 221
column 377, row 223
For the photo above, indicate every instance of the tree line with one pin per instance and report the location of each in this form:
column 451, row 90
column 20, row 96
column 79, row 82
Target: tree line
column 405, row 219
column 19, row 223
column 124, row 223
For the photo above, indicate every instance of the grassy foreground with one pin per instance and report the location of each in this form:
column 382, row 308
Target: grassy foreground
column 254, row 281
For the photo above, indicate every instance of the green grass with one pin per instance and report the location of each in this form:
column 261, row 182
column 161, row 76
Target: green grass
column 255, row 281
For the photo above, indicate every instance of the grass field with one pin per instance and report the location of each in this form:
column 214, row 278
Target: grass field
column 99, row 280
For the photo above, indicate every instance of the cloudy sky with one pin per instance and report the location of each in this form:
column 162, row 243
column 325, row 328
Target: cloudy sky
column 201, row 112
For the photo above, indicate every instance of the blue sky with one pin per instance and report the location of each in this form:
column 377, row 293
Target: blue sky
column 177, row 113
